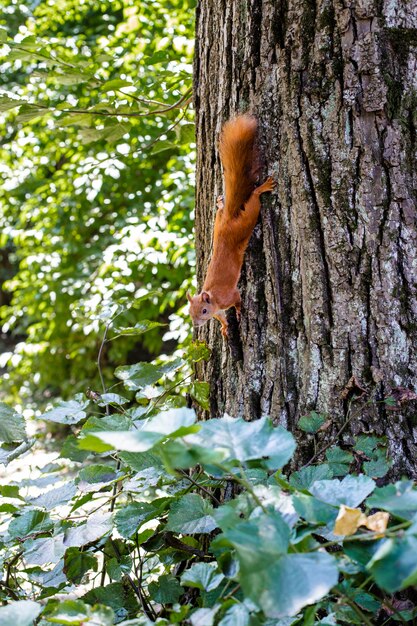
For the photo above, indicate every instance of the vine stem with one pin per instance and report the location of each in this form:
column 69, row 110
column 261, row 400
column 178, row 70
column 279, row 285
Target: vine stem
column 353, row 606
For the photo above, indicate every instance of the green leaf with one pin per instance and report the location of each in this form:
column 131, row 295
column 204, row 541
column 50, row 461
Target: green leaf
column 280, row 584
column 187, row 133
column 313, row 510
column 173, row 423
column 191, row 514
column 28, row 523
column 166, row 590
column 117, row 568
column 66, row 412
column 200, row 392
column 20, row 613
column 204, row 576
column 161, row 146
column 394, row 565
column 351, row 491
column 10, row 491
column 12, row 425
column 112, row 398
column 304, row 478
column 367, row 444
column 140, row 375
column 116, row 83
column 399, row 499
column 244, row 441
column 266, row 536
column 8, row 103
column 107, row 422
column 312, row 422
column 97, row 525
column 237, row 615
column 3, row 35
column 130, row 518
column 55, row 497
column 45, row 550
column 138, row 329
column 379, row 466
column 115, row 595
column 77, row 613
column 70, row 450
column 339, row 460
column 29, row 112
column 94, row 474
column 197, row 351
column 77, row 563
column 204, row 617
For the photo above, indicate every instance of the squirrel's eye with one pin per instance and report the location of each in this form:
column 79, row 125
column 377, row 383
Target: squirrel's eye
column 204, row 311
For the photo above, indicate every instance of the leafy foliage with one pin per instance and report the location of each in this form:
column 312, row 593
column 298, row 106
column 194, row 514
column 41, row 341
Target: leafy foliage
column 146, row 515
column 96, row 193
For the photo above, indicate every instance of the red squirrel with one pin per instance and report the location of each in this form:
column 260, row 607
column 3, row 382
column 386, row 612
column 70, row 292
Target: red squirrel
column 236, row 218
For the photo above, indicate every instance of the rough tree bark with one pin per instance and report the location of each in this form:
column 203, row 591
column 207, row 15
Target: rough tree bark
column 329, row 281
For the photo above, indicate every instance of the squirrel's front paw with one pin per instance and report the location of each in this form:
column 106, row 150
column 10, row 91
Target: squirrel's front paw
column 220, row 202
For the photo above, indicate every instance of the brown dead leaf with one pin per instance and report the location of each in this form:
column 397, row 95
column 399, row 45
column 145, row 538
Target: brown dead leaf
column 377, row 522
column 348, row 520
column 325, row 426
column 353, row 388
column 402, row 395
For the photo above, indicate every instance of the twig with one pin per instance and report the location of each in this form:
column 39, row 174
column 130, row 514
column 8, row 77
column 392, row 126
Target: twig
column 206, row 491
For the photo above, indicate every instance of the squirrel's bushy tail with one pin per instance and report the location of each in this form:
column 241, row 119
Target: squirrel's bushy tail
column 239, row 158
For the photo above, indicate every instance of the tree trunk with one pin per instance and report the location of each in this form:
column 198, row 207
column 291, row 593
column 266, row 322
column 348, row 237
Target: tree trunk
column 329, row 280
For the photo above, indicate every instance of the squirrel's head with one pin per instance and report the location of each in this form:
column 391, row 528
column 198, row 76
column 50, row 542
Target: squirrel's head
column 202, row 308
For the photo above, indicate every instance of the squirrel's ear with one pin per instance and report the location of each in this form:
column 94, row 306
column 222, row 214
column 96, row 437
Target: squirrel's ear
column 189, row 298
column 205, row 297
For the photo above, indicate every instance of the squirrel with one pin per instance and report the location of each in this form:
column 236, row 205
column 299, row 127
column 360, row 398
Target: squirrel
column 235, row 220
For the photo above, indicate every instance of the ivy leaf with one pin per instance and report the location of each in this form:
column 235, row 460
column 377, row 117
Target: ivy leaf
column 339, row 460
column 95, row 477
column 130, row 518
column 279, row 583
column 77, row 613
column 12, row 425
column 112, row 398
column 174, row 422
column 191, row 514
column 379, row 466
column 55, row 497
column 243, row 441
column 97, row 525
column 313, row 510
column 399, row 499
column 394, row 565
column 28, row 523
column 352, row 490
column 304, row 478
column 204, row 576
column 312, row 422
column 44, row 550
column 67, row 412
column 20, row 613
column 77, row 563
column 166, row 590
column 237, row 615
column 200, row 391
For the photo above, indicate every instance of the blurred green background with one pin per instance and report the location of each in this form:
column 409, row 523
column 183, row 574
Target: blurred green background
column 96, row 193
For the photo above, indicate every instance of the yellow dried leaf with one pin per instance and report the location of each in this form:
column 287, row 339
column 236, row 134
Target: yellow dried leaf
column 348, row 520
column 378, row 522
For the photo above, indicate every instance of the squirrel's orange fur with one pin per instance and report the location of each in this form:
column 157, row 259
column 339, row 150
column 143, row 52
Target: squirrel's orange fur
column 235, row 220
